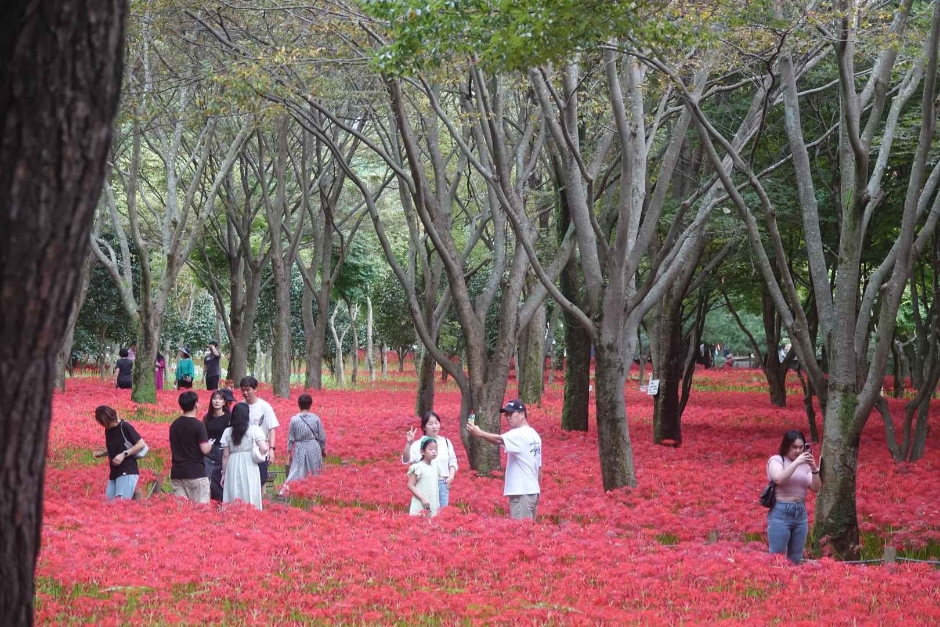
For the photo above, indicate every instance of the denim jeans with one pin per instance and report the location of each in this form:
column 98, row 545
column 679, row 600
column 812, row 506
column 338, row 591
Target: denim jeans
column 443, row 492
column 122, row 488
column 787, row 526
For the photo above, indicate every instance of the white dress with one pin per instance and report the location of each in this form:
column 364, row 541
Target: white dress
column 427, row 477
column 242, row 477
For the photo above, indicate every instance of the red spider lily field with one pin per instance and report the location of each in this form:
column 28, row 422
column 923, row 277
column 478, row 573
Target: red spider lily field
column 687, row 546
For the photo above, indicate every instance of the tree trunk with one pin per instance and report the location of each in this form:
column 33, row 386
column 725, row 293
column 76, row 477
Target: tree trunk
column 776, row 374
column 384, row 349
column 836, row 526
column 60, row 77
column 574, row 411
column 148, row 345
column 354, row 352
column 370, row 349
column 426, row 369
column 668, row 365
column 613, row 434
column 533, row 359
column 65, row 353
column 338, row 342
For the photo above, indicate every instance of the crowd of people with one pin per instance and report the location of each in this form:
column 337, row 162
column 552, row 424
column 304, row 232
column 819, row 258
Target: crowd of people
column 184, row 375
column 226, row 456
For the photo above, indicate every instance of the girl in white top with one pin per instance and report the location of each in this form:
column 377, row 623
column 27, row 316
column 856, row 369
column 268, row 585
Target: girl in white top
column 422, row 481
column 446, row 460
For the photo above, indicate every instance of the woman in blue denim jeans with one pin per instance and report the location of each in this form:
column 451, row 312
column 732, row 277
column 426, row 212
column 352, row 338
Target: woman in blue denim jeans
column 446, row 459
column 794, row 471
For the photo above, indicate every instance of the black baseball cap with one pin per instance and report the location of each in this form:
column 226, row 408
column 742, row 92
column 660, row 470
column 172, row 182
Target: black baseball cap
column 512, row 407
column 228, row 395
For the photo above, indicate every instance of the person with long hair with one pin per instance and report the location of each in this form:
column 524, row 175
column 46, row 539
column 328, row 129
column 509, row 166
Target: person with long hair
column 794, row 471
column 217, row 421
column 446, row 459
column 122, row 443
column 159, row 370
column 240, row 477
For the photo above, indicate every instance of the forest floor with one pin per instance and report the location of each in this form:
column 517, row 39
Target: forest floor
column 687, row 546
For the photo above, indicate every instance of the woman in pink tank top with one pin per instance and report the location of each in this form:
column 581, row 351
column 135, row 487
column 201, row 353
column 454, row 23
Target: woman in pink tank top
column 794, row 471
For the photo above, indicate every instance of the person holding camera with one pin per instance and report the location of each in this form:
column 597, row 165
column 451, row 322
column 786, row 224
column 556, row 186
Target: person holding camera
column 523, row 459
column 794, row 471
column 213, row 366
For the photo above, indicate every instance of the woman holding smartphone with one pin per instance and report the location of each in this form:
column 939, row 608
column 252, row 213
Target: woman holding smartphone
column 795, row 472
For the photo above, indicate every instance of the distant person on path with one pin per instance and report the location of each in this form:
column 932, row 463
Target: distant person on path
column 446, row 459
column 423, row 479
column 118, row 434
column 213, row 365
column 241, row 479
column 794, row 471
column 159, row 370
column 306, row 442
column 262, row 415
column 189, row 444
column 132, row 352
column 216, row 420
column 185, row 370
column 523, row 460
column 125, row 369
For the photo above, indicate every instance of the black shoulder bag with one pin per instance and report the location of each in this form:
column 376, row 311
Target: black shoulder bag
column 768, row 498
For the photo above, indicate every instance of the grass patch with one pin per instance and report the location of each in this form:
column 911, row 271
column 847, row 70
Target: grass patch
column 667, row 539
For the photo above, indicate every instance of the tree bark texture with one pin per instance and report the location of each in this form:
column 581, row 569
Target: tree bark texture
column 532, row 359
column 668, row 368
column 65, row 353
column 60, row 76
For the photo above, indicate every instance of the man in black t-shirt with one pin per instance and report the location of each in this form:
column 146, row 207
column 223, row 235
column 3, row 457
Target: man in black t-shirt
column 213, row 366
column 189, row 443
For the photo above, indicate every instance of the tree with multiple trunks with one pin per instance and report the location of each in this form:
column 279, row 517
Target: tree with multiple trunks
column 856, row 312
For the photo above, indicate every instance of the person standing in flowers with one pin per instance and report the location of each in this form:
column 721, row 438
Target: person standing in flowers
column 216, row 421
column 213, row 366
column 306, row 443
column 261, row 414
column 125, row 369
column 795, row 472
column 446, row 459
column 189, row 444
column 423, row 481
column 185, row 370
column 122, row 443
column 240, row 478
column 159, row 370
column 523, row 460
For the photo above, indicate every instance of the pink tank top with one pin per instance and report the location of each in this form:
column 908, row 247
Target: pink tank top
column 794, row 488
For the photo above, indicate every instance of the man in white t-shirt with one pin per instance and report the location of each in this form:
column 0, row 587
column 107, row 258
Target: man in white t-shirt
column 523, row 460
column 262, row 414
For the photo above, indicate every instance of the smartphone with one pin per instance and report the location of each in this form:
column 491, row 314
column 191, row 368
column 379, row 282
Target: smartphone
column 472, row 419
column 808, row 448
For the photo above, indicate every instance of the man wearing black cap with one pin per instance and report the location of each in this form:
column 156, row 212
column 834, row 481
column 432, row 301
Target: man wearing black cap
column 523, row 459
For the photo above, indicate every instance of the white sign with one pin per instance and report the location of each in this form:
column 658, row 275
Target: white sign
column 653, row 389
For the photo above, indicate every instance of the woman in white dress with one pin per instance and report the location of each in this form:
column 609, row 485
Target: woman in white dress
column 240, row 477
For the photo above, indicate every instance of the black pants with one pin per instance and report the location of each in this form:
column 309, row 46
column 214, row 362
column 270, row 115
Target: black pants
column 184, row 385
column 212, row 381
column 263, row 469
column 214, row 471
column 125, row 385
